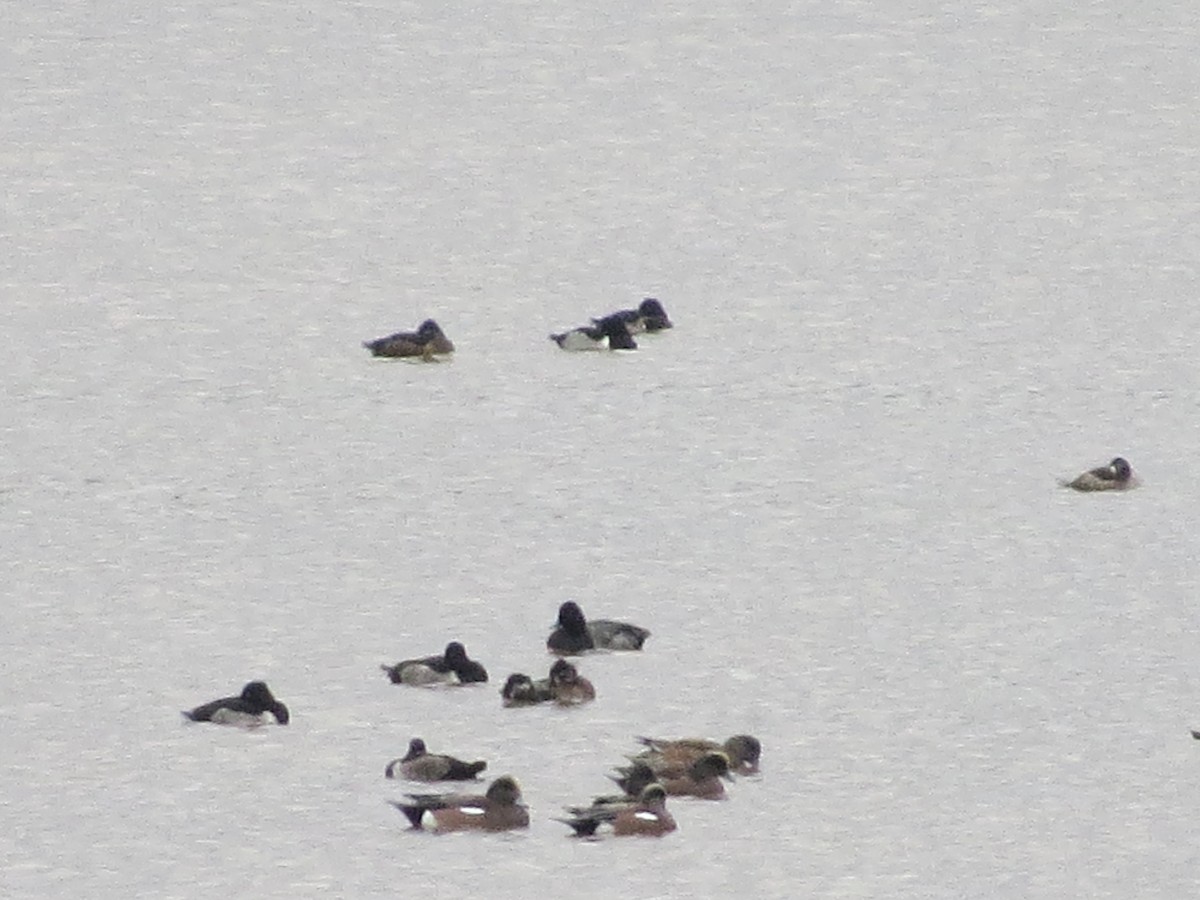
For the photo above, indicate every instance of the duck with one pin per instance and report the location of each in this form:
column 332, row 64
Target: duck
column 451, row 667
column 1116, row 476
column 649, row 316
column 568, row 687
column 521, row 690
column 426, row 341
column 702, row 778
column 248, row 709
column 421, row 765
column 743, row 750
column 574, row 633
column 610, row 333
column 500, row 809
column 645, row 816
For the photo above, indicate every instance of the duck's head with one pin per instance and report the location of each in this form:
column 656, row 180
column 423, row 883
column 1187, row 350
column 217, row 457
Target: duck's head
column 416, row 748
column 562, row 672
column 259, row 697
column 428, row 330
column 504, row 790
column 571, row 618
column 1121, row 468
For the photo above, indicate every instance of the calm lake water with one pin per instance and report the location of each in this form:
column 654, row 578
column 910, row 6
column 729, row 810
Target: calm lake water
column 924, row 259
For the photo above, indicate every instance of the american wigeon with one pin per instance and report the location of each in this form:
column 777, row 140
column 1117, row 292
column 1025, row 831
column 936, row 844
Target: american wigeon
column 575, row 633
column 702, row 778
column 451, row 667
column 500, row 809
column 610, row 333
column 249, row 708
column 426, row 341
column 567, row 686
column 647, row 816
column 649, row 316
column 1116, row 476
column 743, row 751
column 421, row 765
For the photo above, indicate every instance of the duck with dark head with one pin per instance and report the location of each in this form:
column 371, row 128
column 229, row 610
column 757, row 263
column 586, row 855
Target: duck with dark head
column 248, row 709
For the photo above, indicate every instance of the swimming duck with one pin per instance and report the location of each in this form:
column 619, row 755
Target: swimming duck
column 575, row 634
column 248, row 709
column 610, row 333
column 568, row 687
column 645, row 816
column 743, row 751
column 451, row 667
column 521, row 690
column 500, row 809
column 421, row 765
column 1116, row 476
column 702, row 778
column 426, row 341
column 649, row 316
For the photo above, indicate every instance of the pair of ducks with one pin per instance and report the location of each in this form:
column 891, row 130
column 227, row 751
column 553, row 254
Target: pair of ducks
column 564, row 686
column 641, row 810
column 616, row 330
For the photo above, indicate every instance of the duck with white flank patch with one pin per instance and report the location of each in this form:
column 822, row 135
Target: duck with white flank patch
column 645, row 816
column 609, row 333
column 451, row 667
column 247, row 710
column 500, row 809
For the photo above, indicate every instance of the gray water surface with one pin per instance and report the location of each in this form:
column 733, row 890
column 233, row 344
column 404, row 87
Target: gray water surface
column 924, row 260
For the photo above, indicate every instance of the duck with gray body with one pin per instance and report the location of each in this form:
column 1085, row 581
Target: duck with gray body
column 451, row 667
column 421, row 765
column 1116, row 476
column 248, row 708
column 575, row 633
